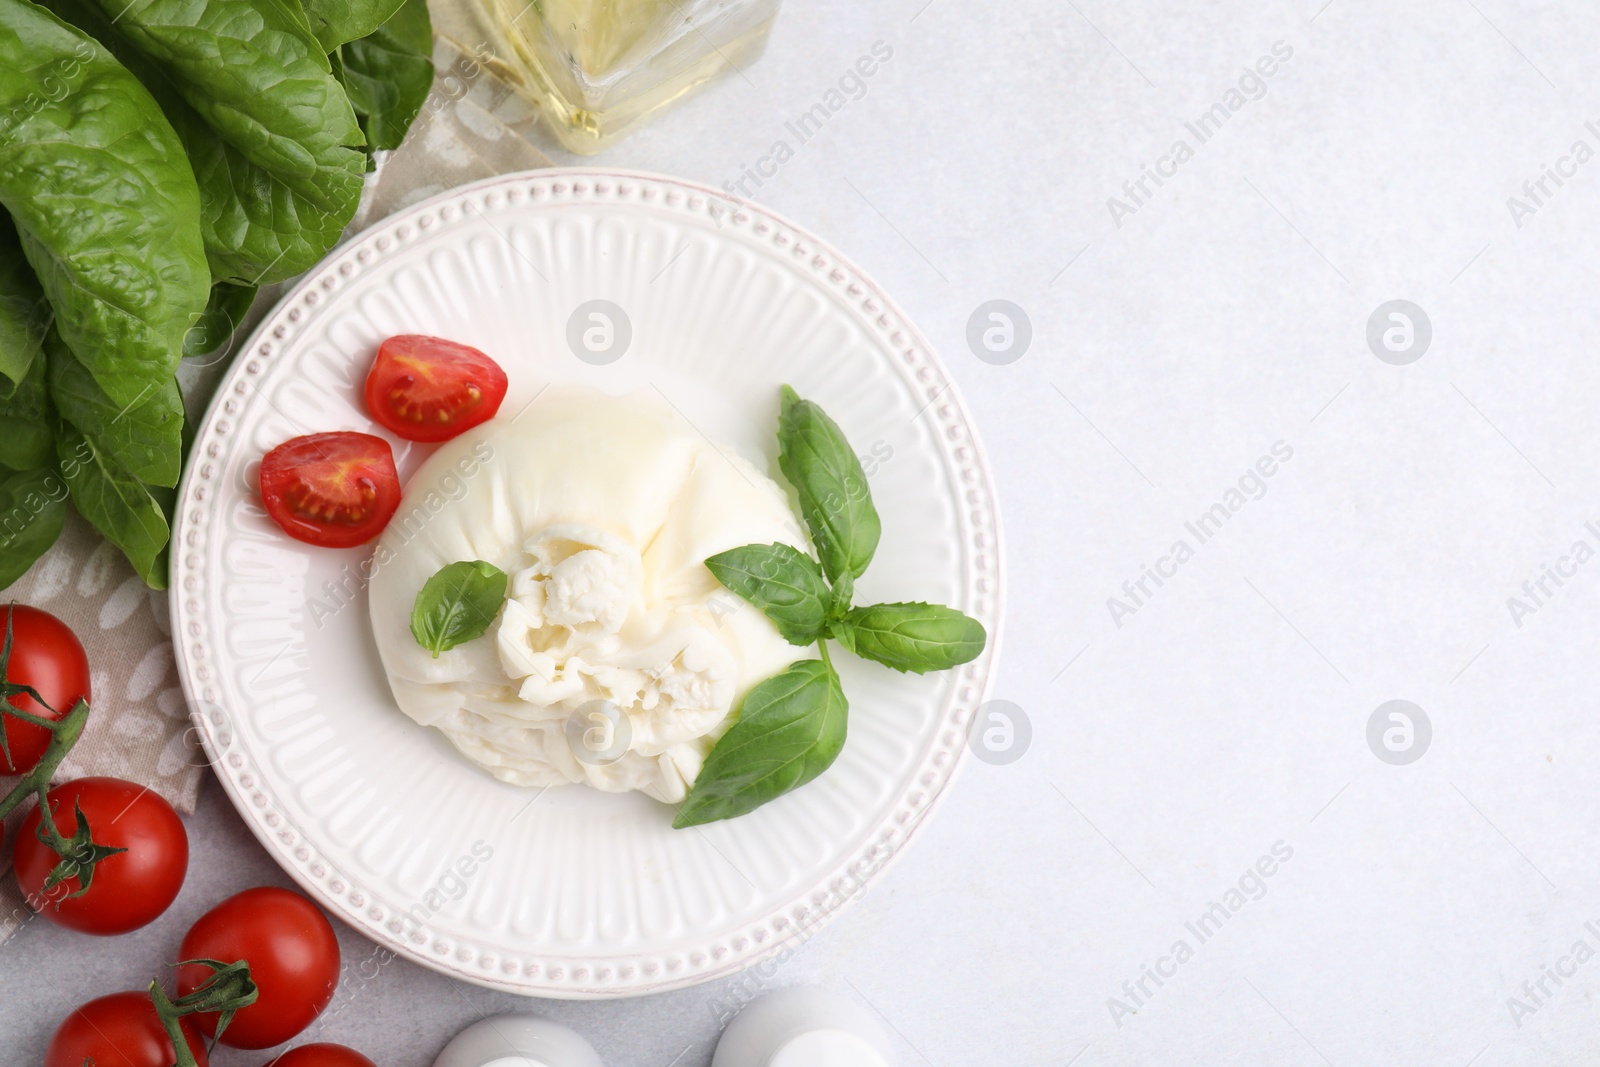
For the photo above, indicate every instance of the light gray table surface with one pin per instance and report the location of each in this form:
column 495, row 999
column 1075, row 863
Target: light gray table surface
column 1181, row 736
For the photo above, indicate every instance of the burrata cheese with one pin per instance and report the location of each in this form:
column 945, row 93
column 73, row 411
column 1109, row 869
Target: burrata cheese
column 617, row 659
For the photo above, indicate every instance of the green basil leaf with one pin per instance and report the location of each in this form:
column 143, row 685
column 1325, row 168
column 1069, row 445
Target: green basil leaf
column 27, row 431
column 261, row 82
column 33, row 507
column 388, row 74
column 128, row 512
column 144, row 439
column 911, row 637
column 337, row 21
column 457, row 605
column 24, row 312
column 103, row 198
column 257, row 230
column 834, row 498
column 785, row 583
column 791, row 727
column 227, row 308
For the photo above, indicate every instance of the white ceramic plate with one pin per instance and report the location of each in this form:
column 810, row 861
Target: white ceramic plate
column 584, row 894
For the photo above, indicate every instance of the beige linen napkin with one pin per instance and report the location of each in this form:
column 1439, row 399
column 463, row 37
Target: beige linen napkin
column 472, row 126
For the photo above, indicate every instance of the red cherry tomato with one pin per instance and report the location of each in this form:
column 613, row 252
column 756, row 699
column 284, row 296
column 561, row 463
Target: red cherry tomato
column 46, row 655
column 127, row 890
column 334, row 490
column 429, row 389
column 293, row 956
column 321, row 1056
column 121, row 1030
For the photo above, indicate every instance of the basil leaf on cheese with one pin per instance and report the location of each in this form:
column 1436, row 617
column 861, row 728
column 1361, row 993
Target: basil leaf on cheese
column 785, row 583
column 457, row 605
column 834, row 499
column 791, row 728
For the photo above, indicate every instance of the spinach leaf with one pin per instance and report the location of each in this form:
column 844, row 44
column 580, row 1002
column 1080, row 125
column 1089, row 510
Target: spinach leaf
column 33, row 508
column 911, row 637
column 791, row 728
column 24, row 312
column 336, row 22
column 26, row 428
column 457, row 605
column 116, row 503
column 834, row 499
column 388, row 73
column 256, row 229
column 143, row 439
column 227, row 307
column 251, row 70
column 783, row 582
column 104, row 202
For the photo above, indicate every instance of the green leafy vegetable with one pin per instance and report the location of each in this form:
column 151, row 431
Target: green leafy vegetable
column 791, row 728
column 145, row 438
column 26, row 428
column 457, row 605
column 256, row 229
column 792, row 725
column 388, row 73
column 336, row 22
column 24, row 312
column 120, row 506
column 226, row 309
column 260, row 80
column 33, row 508
column 834, row 499
column 783, row 582
column 911, row 637
column 104, row 203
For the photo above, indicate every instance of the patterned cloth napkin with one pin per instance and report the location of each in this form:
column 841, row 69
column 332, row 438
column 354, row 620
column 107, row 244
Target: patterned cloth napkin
column 472, row 126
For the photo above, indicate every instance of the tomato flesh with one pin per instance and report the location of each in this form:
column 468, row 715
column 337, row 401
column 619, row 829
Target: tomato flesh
column 294, row 961
column 333, row 490
column 121, row 1030
column 45, row 654
column 126, row 891
column 430, row 389
column 321, row 1056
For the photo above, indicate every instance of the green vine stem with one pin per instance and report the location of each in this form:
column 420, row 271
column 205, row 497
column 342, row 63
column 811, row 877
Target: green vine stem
column 229, row 989
column 78, row 853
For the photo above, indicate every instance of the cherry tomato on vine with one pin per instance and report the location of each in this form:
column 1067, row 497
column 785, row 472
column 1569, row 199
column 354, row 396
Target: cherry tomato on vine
column 126, row 890
column 333, row 490
column 121, row 1030
column 429, row 389
column 48, row 656
column 321, row 1056
column 293, row 956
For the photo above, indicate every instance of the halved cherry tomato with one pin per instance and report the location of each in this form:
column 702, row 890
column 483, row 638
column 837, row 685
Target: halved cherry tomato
column 429, row 389
column 46, row 655
column 321, row 1056
column 334, row 490
column 127, row 890
column 121, row 1030
column 293, row 956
